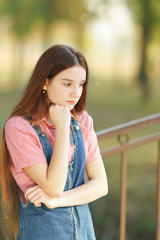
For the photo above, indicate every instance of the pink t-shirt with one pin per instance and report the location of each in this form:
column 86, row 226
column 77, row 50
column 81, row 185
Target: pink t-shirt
column 25, row 148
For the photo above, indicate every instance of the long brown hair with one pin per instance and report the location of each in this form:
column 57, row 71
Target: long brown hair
column 34, row 102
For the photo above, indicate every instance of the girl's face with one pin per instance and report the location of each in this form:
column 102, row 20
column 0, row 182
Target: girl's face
column 66, row 87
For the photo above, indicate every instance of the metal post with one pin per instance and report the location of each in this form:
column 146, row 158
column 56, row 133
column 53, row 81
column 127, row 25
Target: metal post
column 123, row 196
column 158, row 194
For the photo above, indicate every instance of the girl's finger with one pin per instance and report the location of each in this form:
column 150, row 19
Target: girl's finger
column 37, row 202
column 34, row 197
column 31, row 191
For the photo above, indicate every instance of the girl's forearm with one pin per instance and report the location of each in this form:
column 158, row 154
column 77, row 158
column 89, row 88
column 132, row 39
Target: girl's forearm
column 83, row 194
column 58, row 167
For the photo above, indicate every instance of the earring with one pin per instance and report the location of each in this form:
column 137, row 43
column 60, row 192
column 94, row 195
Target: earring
column 43, row 91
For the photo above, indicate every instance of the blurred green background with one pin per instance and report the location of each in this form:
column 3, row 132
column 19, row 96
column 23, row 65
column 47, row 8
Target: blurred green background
column 121, row 42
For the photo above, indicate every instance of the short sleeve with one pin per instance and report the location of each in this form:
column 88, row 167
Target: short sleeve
column 89, row 137
column 23, row 144
column 93, row 147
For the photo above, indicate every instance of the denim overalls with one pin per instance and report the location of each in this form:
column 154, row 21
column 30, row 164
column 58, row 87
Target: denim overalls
column 66, row 223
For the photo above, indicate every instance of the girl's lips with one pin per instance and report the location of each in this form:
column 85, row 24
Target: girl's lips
column 71, row 102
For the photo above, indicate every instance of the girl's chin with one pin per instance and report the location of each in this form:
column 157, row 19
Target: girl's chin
column 70, row 108
column 64, row 105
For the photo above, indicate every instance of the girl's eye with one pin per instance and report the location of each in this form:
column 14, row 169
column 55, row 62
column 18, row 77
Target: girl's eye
column 67, row 84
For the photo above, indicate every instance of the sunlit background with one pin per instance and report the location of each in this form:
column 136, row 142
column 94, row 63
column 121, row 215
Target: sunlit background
column 121, row 42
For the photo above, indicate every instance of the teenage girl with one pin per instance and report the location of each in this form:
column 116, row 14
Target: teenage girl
column 48, row 143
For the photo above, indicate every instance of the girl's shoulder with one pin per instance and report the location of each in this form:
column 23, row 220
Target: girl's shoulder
column 85, row 119
column 17, row 123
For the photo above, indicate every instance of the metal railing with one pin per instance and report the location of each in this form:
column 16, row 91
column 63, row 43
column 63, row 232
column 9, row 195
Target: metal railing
column 122, row 133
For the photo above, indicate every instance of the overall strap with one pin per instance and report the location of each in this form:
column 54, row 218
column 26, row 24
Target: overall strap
column 46, row 146
column 77, row 166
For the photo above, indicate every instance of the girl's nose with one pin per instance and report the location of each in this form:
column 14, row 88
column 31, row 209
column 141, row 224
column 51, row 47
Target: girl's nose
column 76, row 92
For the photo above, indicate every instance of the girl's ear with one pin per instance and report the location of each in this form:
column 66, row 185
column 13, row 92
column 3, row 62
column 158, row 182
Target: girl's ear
column 45, row 85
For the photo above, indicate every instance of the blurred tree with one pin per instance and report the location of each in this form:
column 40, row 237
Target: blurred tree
column 146, row 14
column 19, row 17
column 24, row 16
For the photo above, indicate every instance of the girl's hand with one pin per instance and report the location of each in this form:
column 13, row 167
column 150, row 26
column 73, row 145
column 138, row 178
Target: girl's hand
column 37, row 196
column 60, row 116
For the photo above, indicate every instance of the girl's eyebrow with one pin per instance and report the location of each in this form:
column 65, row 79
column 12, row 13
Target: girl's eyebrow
column 70, row 80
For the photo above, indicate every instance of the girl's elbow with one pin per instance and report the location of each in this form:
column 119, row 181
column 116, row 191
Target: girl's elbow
column 104, row 191
column 56, row 194
column 53, row 192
